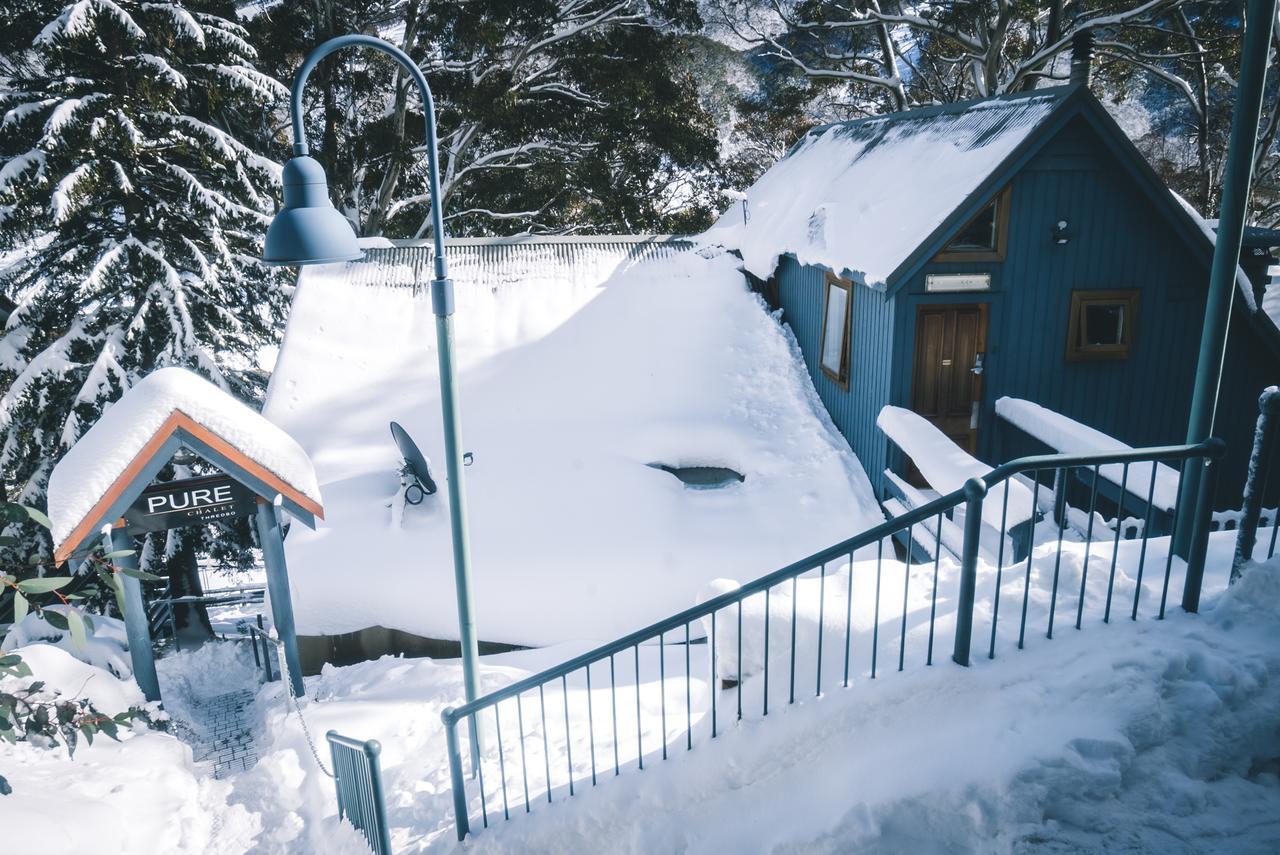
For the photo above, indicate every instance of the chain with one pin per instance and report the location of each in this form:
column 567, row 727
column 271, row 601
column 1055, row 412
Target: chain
column 293, row 701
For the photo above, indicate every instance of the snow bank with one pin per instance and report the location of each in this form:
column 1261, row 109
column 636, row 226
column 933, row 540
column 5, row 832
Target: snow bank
column 1067, row 436
column 946, row 466
column 105, row 646
column 87, row 471
column 573, row 378
column 839, row 198
column 69, row 676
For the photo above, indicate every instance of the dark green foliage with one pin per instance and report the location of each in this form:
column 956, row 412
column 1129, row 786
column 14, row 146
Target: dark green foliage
column 136, row 210
column 600, row 130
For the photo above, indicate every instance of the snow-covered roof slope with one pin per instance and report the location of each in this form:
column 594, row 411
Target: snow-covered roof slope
column 578, row 366
column 861, row 196
column 87, row 472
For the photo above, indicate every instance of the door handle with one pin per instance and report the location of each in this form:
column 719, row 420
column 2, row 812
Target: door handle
column 978, row 360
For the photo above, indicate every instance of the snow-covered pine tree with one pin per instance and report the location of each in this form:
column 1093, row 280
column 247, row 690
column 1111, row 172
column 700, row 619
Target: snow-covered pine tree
column 131, row 215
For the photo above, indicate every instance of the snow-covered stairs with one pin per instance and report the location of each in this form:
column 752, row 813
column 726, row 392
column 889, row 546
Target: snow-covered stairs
column 225, row 745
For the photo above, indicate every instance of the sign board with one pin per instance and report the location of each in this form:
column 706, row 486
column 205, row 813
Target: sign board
column 192, row 501
column 957, row 282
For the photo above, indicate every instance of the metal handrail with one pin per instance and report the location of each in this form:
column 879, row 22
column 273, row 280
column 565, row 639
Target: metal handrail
column 942, row 504
column 971, row 494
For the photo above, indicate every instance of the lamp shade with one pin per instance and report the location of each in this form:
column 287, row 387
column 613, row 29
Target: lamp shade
column 308, row 229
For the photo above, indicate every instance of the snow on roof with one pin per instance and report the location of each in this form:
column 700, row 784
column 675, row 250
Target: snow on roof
column 87, row 472
column 580, row 362
column 861, row 196
column 1068, row 436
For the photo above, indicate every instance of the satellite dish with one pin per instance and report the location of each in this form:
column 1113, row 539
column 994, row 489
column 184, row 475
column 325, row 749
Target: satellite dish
column 416, row 471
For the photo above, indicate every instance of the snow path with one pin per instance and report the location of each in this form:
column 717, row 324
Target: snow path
column 227, row 746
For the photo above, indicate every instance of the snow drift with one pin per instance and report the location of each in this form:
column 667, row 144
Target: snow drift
column 572, row 380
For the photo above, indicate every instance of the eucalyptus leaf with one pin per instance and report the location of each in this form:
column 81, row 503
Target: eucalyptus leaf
column 140, row 574
column 38, row 516
column 57, row 620
column 42, row 585
column 76, row 624
column 20, row 607
column 121, row 553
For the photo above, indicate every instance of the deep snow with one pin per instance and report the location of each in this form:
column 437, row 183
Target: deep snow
column 571, row 380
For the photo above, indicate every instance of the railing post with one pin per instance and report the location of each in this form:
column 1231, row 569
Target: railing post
column 456, row 778
column 1199, row 544
column 1255, row 482
column 372, row 750
column 975, row 490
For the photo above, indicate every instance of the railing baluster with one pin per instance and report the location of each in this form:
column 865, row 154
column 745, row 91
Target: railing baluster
column 766, row 651
column 591, row 725
column 1146, row 536
column 715, row 680
column 1060, row 517
column 613, row 714
column 1088, row 546
column 688, row 693
column 568, row 735
column 502, row 762
column 1115, row 545
column 848, row 621
column 791, row 693
column 662, row 682
column 995, row 601
column 639, row 728
column 546, row 746
column 822, row 602
column 524, row 763
column 740, row 678
column 875, row 621
column 1031, row 550
column 1173, row 538
column 478, row 766
column 933, row 595
column 906, row 583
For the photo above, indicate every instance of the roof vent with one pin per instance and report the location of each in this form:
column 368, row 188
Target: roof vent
column 1081, row 56
column 702, row 477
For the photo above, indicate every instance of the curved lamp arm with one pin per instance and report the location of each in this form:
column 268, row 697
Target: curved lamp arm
column 428, row 108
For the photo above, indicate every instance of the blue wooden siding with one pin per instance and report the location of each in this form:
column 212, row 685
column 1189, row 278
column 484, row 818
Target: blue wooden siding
column 800, row 296
column 1118, row 241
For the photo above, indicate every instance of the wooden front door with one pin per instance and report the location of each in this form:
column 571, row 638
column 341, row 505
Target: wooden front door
column 946, row 387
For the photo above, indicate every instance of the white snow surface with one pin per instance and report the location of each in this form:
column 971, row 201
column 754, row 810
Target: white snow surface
column 104, row 452
column 1133, row 736
column 105, row 645
column 1068, row 436
column 946, row 466
column 572, row 379
column 860, row 203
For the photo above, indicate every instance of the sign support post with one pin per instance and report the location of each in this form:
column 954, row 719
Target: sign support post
column 272, row 541
column 135, row 617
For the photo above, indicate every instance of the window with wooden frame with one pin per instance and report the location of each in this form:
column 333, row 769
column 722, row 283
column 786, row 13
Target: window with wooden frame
column 984, row 237
column 1101, row 325
column 837, row 301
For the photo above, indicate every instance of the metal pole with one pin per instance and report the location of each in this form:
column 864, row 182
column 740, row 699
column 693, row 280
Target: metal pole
column 272, row 543
column 1226, row 252
column 1199, row 543
column 1264, row 438
column 442, row 306
column 975, row 490
column 135, row 617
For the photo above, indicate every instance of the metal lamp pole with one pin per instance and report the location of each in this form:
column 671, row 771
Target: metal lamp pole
column 308, row 230
column 1226, row 255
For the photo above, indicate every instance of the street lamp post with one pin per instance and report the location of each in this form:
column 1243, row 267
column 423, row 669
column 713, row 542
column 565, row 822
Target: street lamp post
column 309, row 230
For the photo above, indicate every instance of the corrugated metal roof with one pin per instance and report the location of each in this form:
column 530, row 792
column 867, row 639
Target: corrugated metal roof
column 495, row 261
column 860, row 197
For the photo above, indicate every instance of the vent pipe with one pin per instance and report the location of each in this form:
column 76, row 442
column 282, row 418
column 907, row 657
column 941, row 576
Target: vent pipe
column 1081, row 56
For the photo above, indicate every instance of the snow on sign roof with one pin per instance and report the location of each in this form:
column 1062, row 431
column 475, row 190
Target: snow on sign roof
column 580, row 362
column 859, row 197
column 88, row 481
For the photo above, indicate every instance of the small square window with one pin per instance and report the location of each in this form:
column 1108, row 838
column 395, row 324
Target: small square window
column 1101, row 324
column 837, row 311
